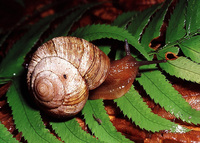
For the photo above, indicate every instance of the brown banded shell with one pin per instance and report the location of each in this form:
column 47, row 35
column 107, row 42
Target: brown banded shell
column 62, row 71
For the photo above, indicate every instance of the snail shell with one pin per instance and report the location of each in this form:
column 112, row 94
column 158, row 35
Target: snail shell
column 61, row 73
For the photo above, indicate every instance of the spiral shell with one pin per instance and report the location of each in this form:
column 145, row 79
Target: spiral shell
column 61, row 73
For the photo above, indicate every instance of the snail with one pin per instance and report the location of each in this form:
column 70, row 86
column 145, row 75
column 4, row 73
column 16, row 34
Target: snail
column 64, row 70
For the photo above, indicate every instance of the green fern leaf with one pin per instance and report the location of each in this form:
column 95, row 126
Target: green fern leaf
column 192, row 17
column 27, row 120
column 191, row 48
column 105, row 49
column 141, row 20
column 64, row 27
column 175, row 29
column 12, row 63
column 5, row 136
column 183, row 68
column 133, row 106
column 70, row 131
column 94, row 32
column 159, row 89
column 123, row 19
column 105, row 131
column 153, row 29
column 4, row 80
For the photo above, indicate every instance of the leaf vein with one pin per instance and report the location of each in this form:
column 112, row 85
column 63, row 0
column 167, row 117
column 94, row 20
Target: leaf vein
column 74, row 134
column 143, row 114
column 185, row 69
column 166, row 95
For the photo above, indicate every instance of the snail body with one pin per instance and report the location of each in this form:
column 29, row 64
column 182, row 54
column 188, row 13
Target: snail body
column 63, row 71
column 119, row 80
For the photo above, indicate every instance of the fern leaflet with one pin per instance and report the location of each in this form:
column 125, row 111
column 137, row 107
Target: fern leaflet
column 12, row 63
column 70, row 131
column 153, row 29
column 5, row 136
column 183, row 68
column 175, row 29
column 138, row 23
column 192, row 17
column 64, row 27
column 123, row 19
column 191, row 48
column 164, row 94
column 105, row 131
column 133, row 106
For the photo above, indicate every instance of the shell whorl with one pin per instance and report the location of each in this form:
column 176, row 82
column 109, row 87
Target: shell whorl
column 62, row 71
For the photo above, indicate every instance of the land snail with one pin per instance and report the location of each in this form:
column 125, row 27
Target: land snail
column 63, row 70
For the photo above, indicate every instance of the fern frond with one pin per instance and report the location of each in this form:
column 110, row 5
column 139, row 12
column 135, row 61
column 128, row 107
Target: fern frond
column 5, row 136
column 64, row 27
column 105, row 131
column 183, row 68
column 159, row 89
column 191, row 48
column 94, row 32
column 70, row 131
column 27, row 120
column 141, row 20
column 175, row 29
column 192, row 17
column 123, row 19
column 12, row 63
column 153, row 29
column 133, row 106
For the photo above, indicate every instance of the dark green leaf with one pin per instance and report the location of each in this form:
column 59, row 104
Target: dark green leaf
column 105, row 49
column 138, row 23
column 159, row 89
column 64, row 27
column 12, row 63
column 4, row 80
column 175, row 29
column 133, row 106
column 123, row 19
column 192, row 17
column 153, row 29
column 105, row 131
column 191, row 48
